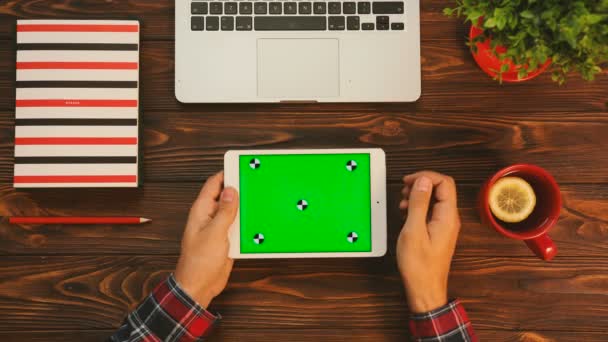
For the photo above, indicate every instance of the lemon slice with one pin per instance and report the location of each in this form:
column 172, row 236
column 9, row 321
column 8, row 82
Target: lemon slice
column 512, row 199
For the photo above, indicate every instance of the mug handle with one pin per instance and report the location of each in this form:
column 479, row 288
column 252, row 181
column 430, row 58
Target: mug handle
column 543, row 247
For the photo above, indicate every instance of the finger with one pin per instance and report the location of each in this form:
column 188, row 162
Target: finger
column 418, row 203
column 212, row 188
column 205, row 205
column 405, row 191
column 444, row 233
column 445, row 194
column 226, row 213
column 435, row 177
column 442, row 193
column 403, row 204
column 445, row 220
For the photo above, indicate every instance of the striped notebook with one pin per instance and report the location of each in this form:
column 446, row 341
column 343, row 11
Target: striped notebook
column 77, row 104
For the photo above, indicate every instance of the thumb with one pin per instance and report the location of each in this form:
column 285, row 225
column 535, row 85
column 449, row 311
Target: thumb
column 228, row 206
column 419, row 201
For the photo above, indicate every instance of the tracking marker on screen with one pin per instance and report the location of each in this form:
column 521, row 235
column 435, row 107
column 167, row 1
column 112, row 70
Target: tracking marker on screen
column 255, row 163
column 258, row 239
column 351, row 165
column 302, row 205
column 352, row 237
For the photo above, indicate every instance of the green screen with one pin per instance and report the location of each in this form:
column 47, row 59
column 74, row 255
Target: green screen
column 309, row 203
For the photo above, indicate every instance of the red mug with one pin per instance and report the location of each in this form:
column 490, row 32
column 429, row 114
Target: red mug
column 533, row 230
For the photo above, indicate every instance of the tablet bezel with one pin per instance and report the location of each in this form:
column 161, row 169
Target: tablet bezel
column 378, row 203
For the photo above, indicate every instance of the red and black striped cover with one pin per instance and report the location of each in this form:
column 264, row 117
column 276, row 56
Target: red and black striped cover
column 77, row 104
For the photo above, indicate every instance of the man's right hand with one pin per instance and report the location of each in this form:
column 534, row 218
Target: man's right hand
column 426, row 243
column 204, row 266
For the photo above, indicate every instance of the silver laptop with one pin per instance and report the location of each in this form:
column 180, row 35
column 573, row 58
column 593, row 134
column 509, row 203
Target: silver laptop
column 302, row 51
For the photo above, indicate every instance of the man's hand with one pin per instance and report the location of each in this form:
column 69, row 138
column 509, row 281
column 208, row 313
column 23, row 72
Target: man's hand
column 427, row 241
column 203, row 268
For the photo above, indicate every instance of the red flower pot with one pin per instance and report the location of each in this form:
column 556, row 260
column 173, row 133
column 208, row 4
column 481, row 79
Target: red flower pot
column 491, row 64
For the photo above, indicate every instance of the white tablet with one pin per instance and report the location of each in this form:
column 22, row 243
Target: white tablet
column 308, row 203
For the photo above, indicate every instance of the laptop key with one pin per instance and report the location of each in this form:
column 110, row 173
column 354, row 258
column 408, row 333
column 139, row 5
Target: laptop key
column 290, row 23
column 213, row 23
column 275, row 8
column 290, row 8
column 230, row 8
column 382, row 19
column 320, row 7
column 260, row 8
column 397, row 26
column 215, row 8
column 352, row 23
column 349, row 8
column 244, row 23
column 197, row 23
column 367, row 26
column 364, row 7
column 245, row 8
column 199, row 8
column 336, row 23
column 335, row 8
column 382, row 22
column 227, row 23
column 304, row 8
column 385, row 7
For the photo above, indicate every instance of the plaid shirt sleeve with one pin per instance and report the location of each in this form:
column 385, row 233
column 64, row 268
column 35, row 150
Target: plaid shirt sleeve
column 449, row 323
column 167, row 314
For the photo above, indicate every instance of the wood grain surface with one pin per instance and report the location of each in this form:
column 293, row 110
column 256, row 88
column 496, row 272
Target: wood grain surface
column 509, row 293
column 450, row 83
column 182, row 146
column 305, row 335
column 582, row 231
column 76, row 283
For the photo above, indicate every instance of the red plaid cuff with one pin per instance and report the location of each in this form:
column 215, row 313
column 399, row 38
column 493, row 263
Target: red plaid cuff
column 169, row 314
column 449, row 323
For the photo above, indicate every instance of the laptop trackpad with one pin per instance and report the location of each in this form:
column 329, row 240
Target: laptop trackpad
column 303, row 69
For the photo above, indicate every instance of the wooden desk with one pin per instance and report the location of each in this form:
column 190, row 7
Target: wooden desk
column 77, row 283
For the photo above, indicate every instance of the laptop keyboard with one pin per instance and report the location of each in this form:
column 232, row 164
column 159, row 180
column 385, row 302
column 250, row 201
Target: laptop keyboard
column 216, row 15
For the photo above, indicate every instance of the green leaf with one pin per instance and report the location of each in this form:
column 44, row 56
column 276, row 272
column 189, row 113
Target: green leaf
column 527, row 14
column 556, row 58
column 474, row 15
column 490, row 23
column 513, row 21
column 521, row 73
column 501, row 22
column 595, row 18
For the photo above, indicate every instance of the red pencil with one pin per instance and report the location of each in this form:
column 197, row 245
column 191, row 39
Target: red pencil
column 77, row 220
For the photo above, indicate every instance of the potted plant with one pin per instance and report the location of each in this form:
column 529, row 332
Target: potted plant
column 516, row 40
